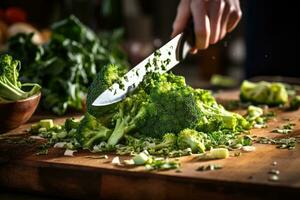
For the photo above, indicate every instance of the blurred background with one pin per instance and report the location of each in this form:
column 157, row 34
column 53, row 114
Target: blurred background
column 147, row 25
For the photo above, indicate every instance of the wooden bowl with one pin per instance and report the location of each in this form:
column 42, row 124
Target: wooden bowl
column 14, row 114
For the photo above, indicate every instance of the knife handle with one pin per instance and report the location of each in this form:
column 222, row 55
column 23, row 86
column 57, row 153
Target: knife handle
column 186, row 42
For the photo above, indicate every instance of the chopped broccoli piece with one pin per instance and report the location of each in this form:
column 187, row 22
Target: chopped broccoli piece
column 46, row 123
column 295, row 102
column 141, row 158
column 91, row 132
column 71, row 124
column 169, row 141
column 264, row 93
column 189, row 138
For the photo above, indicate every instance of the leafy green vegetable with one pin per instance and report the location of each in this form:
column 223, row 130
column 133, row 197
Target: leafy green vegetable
column 11, row 88
column 68, row 63
column 264, row 93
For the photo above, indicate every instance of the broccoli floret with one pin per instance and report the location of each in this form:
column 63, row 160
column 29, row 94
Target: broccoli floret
column 91, row 132
column 131, row 114
column 163, row 103
column 174, row 105
column 189, row 138
column 169, row 141
column 254, row 113
column 71, row 123
column 104, row 79
column 10, row 86
column 263, row 93
column 214, row 117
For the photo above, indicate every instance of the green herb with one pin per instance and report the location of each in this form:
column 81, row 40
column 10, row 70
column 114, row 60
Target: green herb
column 68, row 63
column 11, row 89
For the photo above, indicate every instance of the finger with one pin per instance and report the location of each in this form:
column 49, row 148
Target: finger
column 215, row 11
column 182, row 17
column 201, row 23
column 224, row 21
column 234, row 16
column 193, row 50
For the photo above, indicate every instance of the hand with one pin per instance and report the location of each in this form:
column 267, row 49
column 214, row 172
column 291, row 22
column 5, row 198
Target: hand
column 213, row 19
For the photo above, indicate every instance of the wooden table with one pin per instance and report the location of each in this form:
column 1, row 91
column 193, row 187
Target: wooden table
column 243, row 177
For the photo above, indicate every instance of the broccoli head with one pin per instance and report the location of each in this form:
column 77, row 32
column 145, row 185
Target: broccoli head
column 264, row 93
column 104, row 79
column 173, row 105
column 189, row 138
column 91, row 132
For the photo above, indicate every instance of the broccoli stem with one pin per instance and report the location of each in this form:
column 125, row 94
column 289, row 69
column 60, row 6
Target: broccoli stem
column 11, row 92
column 118, row 132
column 101, row 134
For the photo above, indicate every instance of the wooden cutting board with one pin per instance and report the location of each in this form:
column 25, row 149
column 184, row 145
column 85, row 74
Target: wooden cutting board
column 245, row 176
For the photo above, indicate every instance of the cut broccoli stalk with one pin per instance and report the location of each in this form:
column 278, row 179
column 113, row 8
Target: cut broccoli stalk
column 129, row 116
column 218, row 153
column 141, row 158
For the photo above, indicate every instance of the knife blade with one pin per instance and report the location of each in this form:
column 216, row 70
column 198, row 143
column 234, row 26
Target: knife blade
column 162, row 60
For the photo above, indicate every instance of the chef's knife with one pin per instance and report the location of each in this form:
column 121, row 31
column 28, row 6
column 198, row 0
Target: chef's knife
column 168, row 55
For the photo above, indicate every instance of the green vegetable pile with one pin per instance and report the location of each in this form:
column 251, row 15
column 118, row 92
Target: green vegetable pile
column 163, row 116
column 11, row 89
column 68, row 63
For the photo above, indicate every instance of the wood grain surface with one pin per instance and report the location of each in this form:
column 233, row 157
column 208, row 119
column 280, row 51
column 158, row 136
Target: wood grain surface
column 80, row 177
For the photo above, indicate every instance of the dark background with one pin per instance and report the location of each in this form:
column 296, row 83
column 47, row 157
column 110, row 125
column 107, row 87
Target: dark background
column 264, row 43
